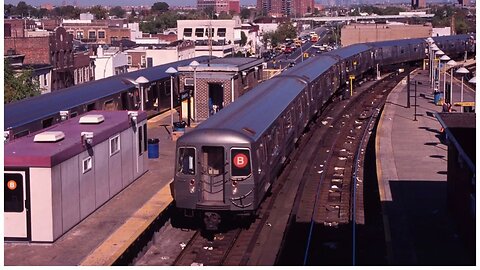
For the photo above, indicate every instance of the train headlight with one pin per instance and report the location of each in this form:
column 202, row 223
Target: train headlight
column 234, row 187
column 192, row 186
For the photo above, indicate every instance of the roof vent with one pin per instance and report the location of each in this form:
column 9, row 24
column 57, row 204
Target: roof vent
column 49, row 136
column 91, row 119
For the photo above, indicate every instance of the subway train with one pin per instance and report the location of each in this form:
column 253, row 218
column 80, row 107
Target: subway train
column 227, row 164
column 113, row 93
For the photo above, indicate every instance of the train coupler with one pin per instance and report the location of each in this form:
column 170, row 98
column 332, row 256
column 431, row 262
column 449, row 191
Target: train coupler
column 212, row 220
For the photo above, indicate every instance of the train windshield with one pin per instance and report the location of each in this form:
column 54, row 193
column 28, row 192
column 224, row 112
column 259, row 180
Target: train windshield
column 186, row 160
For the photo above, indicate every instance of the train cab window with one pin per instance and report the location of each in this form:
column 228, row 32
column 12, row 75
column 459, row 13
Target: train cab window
column 186, row 160
column 213, row 160
column 13, row 192
column 241, row 164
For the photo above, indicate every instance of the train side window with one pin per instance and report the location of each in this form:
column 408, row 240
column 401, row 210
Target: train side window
column 90, row 107
column 288, row 122
column 186, row 160
column 47, row 122
column 73, row 114
column 21, row 134
column 109, row 105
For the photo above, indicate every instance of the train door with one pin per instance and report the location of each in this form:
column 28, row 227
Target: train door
column 16, row 213
column 213, row 174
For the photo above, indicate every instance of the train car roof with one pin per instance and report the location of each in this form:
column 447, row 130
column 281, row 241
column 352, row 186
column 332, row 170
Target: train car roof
column 24, row 152
column 252, row 114
column 312, row 67
column 348, row 51
column 397, row 42
column 42, row 106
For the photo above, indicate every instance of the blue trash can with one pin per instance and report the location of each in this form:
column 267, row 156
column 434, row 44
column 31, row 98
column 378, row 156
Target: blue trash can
column 179, row 126
column 437, row 96
column 153, row 148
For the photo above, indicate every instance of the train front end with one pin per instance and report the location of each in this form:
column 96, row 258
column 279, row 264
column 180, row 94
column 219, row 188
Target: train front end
column 213, row 177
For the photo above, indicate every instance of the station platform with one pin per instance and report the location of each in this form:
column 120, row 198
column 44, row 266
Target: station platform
column 412, row 179
column 102, row 237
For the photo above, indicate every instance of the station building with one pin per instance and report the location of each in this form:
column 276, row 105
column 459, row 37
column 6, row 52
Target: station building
column 56, row 177
column 216, row 84
column 461, row 176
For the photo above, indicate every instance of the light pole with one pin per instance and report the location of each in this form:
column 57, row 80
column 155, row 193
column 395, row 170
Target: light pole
column 433, row 48
column 451, row 64
column 172, row 71
column 437, row 54
column 194, row 64
column 444, row 58
column 462, row 71
column 141, row 81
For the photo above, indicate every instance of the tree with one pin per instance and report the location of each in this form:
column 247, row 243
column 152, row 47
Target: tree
column 117, row 11
column 286, row 30
column 22, row 8
column 18, row 86
column 160, row 7
column 243, row 39
column 245, row 13
column 210, row 12
column 99, row 12
column 224, row 16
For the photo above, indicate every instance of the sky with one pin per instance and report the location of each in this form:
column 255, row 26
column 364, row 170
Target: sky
column 115, row 3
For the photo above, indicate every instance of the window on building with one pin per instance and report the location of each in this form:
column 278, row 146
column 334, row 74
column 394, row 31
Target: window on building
column 199, row 32
column 92, row 34
column 87, row 164
column 129, row 60
column 79, row 34
column 143, row 60
column 114, row 145
column 222, row 32
column 187, row 32
column 140, row 140
column 101, row 34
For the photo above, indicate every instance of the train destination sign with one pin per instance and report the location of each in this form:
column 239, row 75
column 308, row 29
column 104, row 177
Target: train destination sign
column 241, row 163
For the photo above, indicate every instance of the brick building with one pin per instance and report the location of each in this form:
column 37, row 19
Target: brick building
column 83, row 68
column 218, row 84
column 55, row 49
column 220, row 5
column 97, row 32
column 361, row 33
column 285, row 7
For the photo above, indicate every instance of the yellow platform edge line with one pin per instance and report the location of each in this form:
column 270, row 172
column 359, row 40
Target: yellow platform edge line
column 117, row 243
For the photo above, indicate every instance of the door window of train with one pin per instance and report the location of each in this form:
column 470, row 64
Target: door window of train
column 186, row 160
column 241, row 162
column 213, row 160
column 13, row 192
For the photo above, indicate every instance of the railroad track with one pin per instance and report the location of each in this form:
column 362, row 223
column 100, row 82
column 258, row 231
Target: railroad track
column 322, row 227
